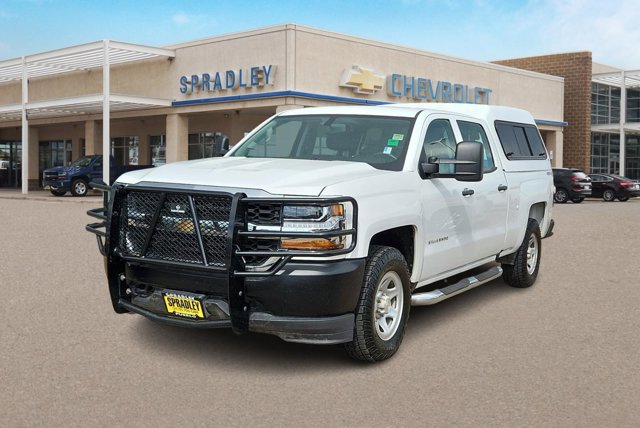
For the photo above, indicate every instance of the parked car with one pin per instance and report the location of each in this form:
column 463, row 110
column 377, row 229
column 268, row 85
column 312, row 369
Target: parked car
column 610, row 187
column 571, row 184
column 77, row 176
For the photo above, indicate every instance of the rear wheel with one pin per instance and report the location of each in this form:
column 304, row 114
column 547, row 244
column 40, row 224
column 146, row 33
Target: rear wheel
column 623, row 198
column 58, row 192
column 383, row 308
column 577, row 200
column 79, row 187
column 609, row 195
column 561, row 196
column 524, row 271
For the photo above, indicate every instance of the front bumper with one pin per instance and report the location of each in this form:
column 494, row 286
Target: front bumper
column 55, row 185
column 306, row 302
column 311, row 330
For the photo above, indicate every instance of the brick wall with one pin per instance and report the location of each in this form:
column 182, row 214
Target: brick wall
column 575, row 67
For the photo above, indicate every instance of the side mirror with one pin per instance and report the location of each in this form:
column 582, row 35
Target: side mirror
column 469, row 157
column 468, row 163
column 428, row 168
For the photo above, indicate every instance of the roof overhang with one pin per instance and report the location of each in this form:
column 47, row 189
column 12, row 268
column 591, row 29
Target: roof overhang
column 78, row 58
column 10, row 112
column 76, row 106
column 631, row 79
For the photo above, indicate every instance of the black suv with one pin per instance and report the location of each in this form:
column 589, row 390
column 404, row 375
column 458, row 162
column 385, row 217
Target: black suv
column 571, row 184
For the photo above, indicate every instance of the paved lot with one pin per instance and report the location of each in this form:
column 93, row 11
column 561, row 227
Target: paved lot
column 563, row 353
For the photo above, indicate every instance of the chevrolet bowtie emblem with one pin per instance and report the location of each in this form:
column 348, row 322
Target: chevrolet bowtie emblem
column 362, row 80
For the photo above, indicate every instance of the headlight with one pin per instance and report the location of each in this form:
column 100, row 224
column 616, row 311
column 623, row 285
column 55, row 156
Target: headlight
column 323, row 224
column 312, row 219
column 62, row 174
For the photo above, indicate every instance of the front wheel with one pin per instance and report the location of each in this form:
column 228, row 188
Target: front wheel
column 524, row 271
column 383, row 307
column 577, row 200
column 561, row 196
column 79, row 187
column 623, row 198
column 609, row 195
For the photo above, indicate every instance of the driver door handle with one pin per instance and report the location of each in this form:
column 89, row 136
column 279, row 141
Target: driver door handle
column 467, row 192
column 502, row 188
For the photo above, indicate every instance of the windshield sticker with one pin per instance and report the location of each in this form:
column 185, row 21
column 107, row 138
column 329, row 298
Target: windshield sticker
column 392, row 143
column 388, row 150
column 398, row 137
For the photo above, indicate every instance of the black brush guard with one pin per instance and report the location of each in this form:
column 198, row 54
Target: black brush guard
column 234, row 268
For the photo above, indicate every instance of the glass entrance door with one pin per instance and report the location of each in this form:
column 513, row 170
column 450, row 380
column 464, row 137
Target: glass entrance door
column 54, row 153
column 10, row 164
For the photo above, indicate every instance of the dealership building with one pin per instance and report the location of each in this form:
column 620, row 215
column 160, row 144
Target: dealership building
column 602, row 108
column 149, row 105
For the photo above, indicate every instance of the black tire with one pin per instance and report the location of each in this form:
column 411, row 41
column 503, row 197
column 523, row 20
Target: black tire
column 577, row 200
column 609, row 195
column 522, row 274
column 561, row 196
column 79, row 187
column 58, row 192
column 623, row 198
column 385, row 265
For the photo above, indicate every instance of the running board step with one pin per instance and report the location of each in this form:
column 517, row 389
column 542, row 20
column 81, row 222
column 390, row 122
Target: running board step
column 466, row 284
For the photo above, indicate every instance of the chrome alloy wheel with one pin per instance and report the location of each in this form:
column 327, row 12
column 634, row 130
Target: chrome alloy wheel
column 80, row 188
column 388, row 306
column 532, row 254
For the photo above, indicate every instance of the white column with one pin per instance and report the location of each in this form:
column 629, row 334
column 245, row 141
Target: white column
column 623, row 121
column 106, row 115
column 25, row 129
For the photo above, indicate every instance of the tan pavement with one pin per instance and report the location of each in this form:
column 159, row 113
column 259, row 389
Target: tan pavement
column 564, row 353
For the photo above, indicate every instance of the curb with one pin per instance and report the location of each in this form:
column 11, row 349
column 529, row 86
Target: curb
column 84, row 200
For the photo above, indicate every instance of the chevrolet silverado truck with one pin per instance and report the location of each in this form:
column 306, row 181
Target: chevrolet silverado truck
column 326, row 225
column 76, row 176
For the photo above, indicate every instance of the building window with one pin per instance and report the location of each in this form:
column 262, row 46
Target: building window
column 633, row 105
column 54, row 153
column 632, row 157
column 207, row 145
column 605, row 153
column 605, row 104
column 158, row 146
column 125, row 150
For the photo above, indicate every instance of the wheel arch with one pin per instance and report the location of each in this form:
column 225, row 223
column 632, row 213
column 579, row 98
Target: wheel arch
column 80, row 177
column 537, row 212
column 402, row 238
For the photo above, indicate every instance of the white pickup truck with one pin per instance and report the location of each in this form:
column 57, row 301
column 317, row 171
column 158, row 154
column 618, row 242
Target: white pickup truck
column 325, row 225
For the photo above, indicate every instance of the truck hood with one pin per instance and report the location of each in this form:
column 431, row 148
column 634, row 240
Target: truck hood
column 275, row 176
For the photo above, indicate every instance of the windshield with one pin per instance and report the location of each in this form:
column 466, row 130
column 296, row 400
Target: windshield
column 379, row 141
column 85, row 161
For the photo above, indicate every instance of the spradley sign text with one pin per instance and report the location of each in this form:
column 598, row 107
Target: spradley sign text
column 228, row 79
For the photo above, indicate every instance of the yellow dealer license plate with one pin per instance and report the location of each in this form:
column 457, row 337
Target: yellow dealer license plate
column 183, row 305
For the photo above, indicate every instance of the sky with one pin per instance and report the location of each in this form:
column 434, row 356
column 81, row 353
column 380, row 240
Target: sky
column 481, row 30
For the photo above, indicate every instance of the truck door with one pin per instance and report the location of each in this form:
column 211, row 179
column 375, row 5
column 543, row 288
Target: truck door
column 490, row 200
column 463, row 222
column 96, row 170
